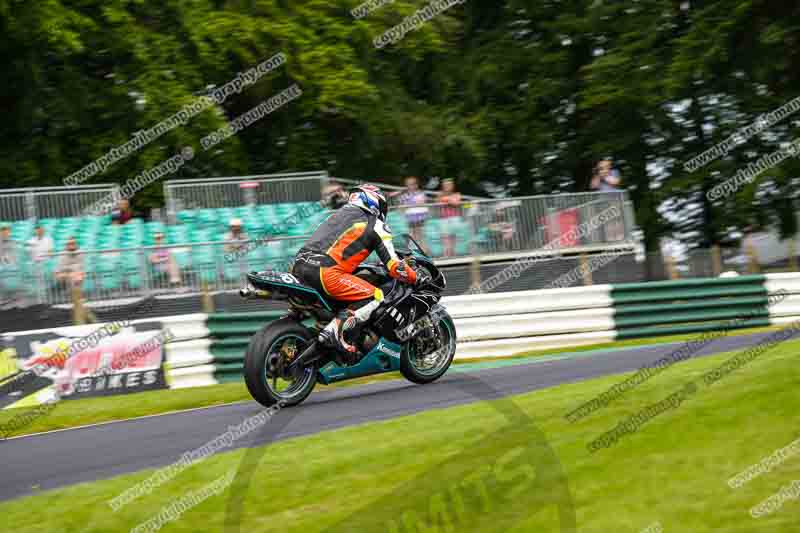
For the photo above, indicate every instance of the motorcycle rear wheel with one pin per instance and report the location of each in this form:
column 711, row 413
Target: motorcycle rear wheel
column 270, row 351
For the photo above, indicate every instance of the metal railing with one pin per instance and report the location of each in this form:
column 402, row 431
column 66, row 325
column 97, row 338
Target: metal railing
column 237, row 191
column 484, row 227
column 50, row 202
column 148, row 270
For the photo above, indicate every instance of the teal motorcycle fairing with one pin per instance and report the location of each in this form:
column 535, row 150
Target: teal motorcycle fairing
column 384, row 357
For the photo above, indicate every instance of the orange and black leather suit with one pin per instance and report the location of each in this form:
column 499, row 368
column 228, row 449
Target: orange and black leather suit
column 334, row 251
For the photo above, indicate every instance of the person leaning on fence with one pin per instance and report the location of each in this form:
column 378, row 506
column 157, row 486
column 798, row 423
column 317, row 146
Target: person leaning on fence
column 412, row 200
column 501, row 228
column 164, row 265
column 235, row 234
column 450, row 215
column 69, row 272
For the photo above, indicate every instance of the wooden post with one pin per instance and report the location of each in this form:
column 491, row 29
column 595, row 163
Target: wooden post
column 716, row 260
column 78, row 311
column 475, row 271
column 793, row 255
column 585, row 270
column 672, row 269
column 208, row 301
column 751, row 253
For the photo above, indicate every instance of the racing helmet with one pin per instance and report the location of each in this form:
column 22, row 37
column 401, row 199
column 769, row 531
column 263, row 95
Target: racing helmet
column 370, row 199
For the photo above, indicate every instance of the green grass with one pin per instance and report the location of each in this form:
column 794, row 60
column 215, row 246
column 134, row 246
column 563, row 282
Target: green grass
column 75, row 413
column 463, row 462
column 72, row 413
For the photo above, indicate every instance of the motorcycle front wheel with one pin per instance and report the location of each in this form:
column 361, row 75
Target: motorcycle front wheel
column 426, row 366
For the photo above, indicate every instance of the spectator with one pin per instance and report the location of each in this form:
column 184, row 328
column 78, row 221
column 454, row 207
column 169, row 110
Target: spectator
column 8, row 248
column 8, row 261
column 69, row 271
column 235, row 234
column 450, row 214
column 41, row 245
column 606, row 178
column 122, row 214
column 502, row 228
column 333, row 195
column 164, row 264
column 415, row 216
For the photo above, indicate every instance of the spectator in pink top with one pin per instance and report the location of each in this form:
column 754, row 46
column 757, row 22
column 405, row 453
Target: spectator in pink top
column 164, row 265
column 450, row 215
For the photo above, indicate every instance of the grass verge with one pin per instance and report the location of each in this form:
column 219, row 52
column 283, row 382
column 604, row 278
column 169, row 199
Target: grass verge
column 455, row 468
column 74, row 413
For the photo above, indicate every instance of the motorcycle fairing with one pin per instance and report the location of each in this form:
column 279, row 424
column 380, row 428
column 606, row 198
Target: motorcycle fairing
column 384, row 357
column 287, row 284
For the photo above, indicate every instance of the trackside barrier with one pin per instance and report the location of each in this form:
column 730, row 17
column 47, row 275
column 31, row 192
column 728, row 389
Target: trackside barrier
column 689, row 306
column 505, row 324
column 209, row 348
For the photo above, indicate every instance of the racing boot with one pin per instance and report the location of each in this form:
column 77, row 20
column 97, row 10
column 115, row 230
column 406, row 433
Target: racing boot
column 340, row 334
column 344, row 331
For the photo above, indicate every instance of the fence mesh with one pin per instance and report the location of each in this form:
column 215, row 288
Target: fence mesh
column 237, row 191
column 50, row 202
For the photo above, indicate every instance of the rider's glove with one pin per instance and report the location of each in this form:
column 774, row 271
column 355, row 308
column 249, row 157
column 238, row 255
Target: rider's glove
column 400, row 270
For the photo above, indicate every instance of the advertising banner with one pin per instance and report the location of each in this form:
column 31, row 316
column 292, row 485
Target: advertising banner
column 79, row 362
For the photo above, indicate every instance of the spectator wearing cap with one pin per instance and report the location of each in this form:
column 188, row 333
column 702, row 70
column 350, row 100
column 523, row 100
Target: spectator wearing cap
column 40, row 245
column 235, row 234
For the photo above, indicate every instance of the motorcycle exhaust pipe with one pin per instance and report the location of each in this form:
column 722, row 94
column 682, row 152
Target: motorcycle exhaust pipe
column 249, row 293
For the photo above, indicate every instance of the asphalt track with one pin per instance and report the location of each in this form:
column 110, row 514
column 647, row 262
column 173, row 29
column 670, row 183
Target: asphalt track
column 47, row 461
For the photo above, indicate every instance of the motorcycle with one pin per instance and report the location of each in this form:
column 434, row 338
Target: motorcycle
column 410, row 332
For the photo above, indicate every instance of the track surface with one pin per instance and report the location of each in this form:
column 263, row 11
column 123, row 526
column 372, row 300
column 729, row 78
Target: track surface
column 47, row 461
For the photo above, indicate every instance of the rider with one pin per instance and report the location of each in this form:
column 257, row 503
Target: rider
column 334, row 251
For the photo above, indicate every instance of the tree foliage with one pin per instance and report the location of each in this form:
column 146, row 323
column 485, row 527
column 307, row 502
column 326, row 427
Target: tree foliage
column 525, row 94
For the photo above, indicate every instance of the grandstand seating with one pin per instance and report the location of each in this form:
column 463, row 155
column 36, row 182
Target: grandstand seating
column 110, row 271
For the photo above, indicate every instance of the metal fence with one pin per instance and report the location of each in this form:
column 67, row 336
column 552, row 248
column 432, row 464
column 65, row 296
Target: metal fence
column 119, row 273
column 237, row 191
column 50, row 202
column 483, row 227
